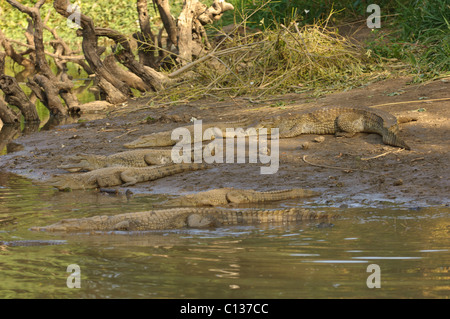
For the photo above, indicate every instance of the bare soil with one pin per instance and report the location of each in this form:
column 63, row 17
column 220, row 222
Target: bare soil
column 354, row 171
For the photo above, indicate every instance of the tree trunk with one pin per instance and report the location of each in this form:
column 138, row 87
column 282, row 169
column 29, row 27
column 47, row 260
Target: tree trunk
column 7, row 134
column 7, row 116
column 145, row 38
column 2, row 62
column 18, row 58
column 124, row 55
column 116, row 91
column 15, row 96
column 168, row 21
column 49, row 84
column 131, row 79
column 192, row 40
column 185, row 32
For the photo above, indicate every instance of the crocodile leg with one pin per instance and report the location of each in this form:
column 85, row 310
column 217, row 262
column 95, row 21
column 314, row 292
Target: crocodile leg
column 350, row 123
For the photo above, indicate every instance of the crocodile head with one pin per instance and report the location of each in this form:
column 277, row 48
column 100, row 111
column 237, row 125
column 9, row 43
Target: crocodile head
column 151, row 140
column 74, row 225
column 63, row 183
column 188, row 201
column 79, row 163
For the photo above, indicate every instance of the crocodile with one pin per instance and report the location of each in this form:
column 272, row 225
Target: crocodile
column 119, row 176
column 165, row 138
column 341, row 121
column 224, row 196
column 134, row 158
column 186, row 217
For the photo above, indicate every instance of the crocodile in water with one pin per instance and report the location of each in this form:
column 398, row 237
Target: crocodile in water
column 116, row 176
column 343, row 121
column 177, row 218
column 224, row 196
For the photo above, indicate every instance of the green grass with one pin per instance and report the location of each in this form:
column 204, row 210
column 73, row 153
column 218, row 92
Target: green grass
column 271, row 13
column 419, row 34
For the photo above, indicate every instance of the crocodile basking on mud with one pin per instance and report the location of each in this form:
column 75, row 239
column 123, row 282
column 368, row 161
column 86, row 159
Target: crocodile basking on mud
column 177, row 218
column 119, row 176
column 134, row 158
column 342, row 121
column 224, row 196
column 165, row 138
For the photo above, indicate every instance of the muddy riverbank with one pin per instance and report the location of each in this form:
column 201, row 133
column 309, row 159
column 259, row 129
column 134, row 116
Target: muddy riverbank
column 347, row 171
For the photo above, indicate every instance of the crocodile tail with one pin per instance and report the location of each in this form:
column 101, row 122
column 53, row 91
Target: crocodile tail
column 391, row 138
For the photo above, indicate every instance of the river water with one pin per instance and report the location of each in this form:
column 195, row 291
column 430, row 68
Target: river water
column 410, row 247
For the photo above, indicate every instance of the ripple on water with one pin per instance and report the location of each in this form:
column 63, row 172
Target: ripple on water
column 338, row 261
column 387, row 257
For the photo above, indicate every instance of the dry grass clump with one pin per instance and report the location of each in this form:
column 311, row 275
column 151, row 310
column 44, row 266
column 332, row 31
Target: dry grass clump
column 277, row 61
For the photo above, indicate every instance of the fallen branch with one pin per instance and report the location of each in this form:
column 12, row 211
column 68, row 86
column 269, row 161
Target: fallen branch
column 413, row 101
column 130, row 131
column 384, row 154
column 340, row 168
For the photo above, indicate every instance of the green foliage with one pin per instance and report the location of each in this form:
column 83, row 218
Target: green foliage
column 426, row 26
column 117, row 14
column 419, row 19
column 420, row 36
column 14, row 23
column 304, row 11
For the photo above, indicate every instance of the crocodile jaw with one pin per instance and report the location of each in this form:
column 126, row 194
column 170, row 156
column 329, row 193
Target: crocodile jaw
column 143, row 141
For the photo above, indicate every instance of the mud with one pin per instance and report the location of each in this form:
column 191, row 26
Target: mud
column 347, row 171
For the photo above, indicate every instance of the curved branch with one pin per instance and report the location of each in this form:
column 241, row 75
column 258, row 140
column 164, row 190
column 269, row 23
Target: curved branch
column 72, row 58
column 117, row 91
column 14, row 95
column 18, row 58
column 35, row 15
column 124, row 55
